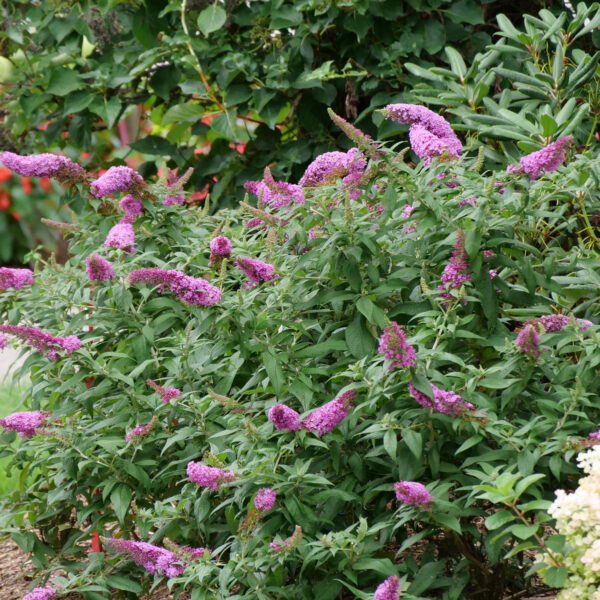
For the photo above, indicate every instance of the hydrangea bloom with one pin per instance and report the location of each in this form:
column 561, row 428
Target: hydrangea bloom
column 153, row 558
column 547, row 159
column 15, row 278
column 389, row 589
column 289, row 543
column 39, row 593
column 456, row 272
column 116, row 179
column 412, row 492
column 284, row 417
column 256, row 270
column 98, row 268
column 327, row 417
column 265, row 499
column 42, row 341
column 394, row 347
column 193, row 290
column 330, row 166
column 208, row 477
column 43, row 165
column 25, row 423
column 528, row 341
column 445, row 402
column 131, row 206
column 166, row 394
column 220, row 246
column 121, row 236
column 140, row 431
column 429, row 134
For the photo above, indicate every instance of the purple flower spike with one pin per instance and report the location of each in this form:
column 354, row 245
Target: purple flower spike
column 139, row 431
column 208, row 477
column 456, row 272
column 429, row 134
column 394, row 347
column 547, row 159
column 15, row 278
column 121, row 236
column 220, row 246
column 99, row 269
column 327, row 417
column 43, row 165
column 330, row 166
column 25, row 423
column 412, row 492
column 166, row 394
column 193, row 290
column 256, row 270
column 131, row 206
column 39, row 593
column 284, row 418
column 445, row 402
column 289, row 543
column 528, row 341
column 557, row 322
column 3, row 341
column 153, row 558
column 43, row 342
column 275, row 194
column 389, row 589
column 265, row 499
column 116, row 179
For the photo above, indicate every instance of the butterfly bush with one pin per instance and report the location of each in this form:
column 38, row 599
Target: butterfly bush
column 43, row 165
column 121, row 236
column 39, row 593
column 547, row 159
column 15, row 278
column 528, row 341
column 144, row 460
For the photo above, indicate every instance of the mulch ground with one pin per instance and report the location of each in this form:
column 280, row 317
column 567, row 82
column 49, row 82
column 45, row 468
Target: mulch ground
column 17, row 573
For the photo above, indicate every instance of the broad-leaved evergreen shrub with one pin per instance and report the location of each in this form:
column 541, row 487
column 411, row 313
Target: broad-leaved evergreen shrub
column 372, row 382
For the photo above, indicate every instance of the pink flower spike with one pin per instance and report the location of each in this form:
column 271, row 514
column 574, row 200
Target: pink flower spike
column 327, row 417
column 547, row 159
column 15, row 278
column 43, row 165
column 284, row 418
column 42, row 341
column 39, row 593
column 116, row 179
column 166, row 394
column 256, row 270
column 265, row 499
column 140, row 431
column 394, row 347
column 208, row 477
column 412, row 492
column 153, row 558
column 528, row 341
column 328, row 167
column 99, row 269
column 220, row 246
column 25, row 423
column 389, row 589
column 444, row 402
column 289, row 543
column 121, row 236
column 3, row 341
column 131, row 206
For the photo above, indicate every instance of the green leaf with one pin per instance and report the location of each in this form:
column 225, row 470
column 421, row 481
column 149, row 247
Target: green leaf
column 466, row 11
column 274, row 371
column 359, row 339
column 390, row 443
column 556, row 576
column 414, row 441
column 123, row 583
column 120, row 498
column 63, row 81
column 322, row 349
column 457, row 64
column 285, row 16
column 211, row 18
column 155, row 145
column 183, row 112
column 498, row 519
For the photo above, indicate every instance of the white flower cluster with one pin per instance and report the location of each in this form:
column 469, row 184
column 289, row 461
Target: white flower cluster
column 578, row 519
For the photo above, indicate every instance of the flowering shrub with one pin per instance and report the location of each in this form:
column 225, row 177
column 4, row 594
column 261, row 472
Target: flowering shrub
column 239, row 395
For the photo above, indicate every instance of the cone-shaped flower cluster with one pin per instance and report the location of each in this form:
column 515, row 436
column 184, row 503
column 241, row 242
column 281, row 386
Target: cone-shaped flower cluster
column 394, row 347
column 289, row 543
column 153, row 558
column 208, row 477
column 389, row 589
column 265, row 499
column 25, row 423
column 429, row 134
column 456, row 272
column 116, row 179
column 528, row 341
column 445, row 402
column 547, row 159
column 131, row 206
column 39, row 593
column 256, row 270
column 42, row 341
column 284, row 418
column 121, row 236
column 412, row 492
column 166, row 394
column 15, row 278
column 43, row 165
column 330, row 166
column 193, row 290
column 220, row 246
column 140, row 431
column 98, row 268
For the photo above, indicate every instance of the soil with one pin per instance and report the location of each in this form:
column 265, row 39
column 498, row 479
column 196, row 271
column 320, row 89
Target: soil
column 17, row 574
